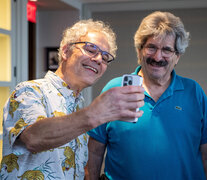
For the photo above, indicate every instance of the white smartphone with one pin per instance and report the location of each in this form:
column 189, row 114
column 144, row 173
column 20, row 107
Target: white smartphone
column 134, row 80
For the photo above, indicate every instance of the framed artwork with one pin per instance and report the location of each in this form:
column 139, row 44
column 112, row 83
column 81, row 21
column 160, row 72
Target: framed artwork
column 52, row 58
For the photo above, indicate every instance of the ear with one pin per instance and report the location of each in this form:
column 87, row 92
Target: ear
column 139, row 55
column 139, row 51
column 177, row 59
column 65, row 52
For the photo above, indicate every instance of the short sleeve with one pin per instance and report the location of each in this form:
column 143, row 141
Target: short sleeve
column 99, row 133
column 24, row 107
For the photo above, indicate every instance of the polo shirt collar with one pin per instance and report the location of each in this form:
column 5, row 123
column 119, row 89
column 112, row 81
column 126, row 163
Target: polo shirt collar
column 175, row 85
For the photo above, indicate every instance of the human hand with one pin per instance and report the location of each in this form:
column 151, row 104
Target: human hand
column 119, row 103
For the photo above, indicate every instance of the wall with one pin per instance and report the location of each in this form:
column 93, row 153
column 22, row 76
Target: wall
column 192, row 64
column 50, row 26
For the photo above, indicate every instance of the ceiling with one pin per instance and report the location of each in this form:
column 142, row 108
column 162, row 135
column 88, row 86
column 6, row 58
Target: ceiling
column 51, row 5
column 76, row 4
column 61, row 5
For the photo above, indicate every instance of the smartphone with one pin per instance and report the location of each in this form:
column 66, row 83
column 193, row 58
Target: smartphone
column 132, row 80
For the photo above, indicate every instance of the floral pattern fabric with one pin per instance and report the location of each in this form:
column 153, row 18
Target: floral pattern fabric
column 28, row 103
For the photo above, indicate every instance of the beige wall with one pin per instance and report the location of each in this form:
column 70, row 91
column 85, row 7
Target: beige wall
column 50, row 27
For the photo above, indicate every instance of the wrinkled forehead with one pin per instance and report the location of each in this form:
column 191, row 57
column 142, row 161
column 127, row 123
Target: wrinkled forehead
column 97, row 38
column 162, row 39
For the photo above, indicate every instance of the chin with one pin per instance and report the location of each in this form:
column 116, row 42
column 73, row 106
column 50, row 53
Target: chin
column 89, row 83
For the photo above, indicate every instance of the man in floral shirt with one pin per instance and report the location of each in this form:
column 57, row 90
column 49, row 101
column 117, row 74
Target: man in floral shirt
column 44, row 127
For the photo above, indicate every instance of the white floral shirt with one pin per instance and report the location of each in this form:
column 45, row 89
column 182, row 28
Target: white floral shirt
column 28, row 103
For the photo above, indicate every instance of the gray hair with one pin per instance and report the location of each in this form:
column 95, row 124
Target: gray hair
column 81, row 28
column 159, row 24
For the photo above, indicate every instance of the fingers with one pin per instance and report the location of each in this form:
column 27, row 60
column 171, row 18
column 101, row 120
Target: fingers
column 125, row 100
column 131, row 115
column 133, row 97
column 126, row 97
column 128, row 93
column 118, row 103
column 131, row 89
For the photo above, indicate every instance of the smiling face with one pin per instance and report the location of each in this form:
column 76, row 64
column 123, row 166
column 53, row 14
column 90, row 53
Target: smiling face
column 78, row 69
column 156, row 66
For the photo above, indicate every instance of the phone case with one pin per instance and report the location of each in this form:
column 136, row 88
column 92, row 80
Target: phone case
column 134, row 80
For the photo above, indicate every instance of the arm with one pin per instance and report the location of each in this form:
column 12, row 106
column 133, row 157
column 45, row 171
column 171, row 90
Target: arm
column 96, row 154
column 116, row 103
column 204, row 157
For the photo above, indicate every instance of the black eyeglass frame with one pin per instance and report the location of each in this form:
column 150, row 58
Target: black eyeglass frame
column 86, row 42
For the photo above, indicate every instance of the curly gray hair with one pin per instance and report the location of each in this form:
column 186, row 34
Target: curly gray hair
column 81, row 28
column 159, row 24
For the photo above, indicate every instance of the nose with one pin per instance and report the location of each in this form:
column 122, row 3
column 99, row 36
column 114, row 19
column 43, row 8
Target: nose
column 158, row 55
column 97, row 58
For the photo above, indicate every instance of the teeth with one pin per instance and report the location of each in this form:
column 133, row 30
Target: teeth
column 93, row 69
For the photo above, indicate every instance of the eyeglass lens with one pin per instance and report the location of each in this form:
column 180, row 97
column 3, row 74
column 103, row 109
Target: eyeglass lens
column 93, row 50
column 166, row 51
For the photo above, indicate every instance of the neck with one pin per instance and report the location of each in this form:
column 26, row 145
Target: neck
column 70, row 83
column 154, row 87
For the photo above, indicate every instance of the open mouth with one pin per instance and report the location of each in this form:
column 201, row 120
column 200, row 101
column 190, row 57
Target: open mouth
column 91, row 68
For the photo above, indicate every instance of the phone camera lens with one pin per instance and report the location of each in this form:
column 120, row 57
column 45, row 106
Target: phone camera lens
column 130, row 82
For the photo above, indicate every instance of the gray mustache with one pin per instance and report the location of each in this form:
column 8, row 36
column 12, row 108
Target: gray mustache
column 161, row 63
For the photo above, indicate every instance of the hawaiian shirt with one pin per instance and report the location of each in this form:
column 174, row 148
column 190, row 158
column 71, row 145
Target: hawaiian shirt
column 28, row 103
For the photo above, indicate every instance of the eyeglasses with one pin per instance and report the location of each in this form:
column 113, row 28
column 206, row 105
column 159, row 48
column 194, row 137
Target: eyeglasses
column 92, row 50
column 165, row 51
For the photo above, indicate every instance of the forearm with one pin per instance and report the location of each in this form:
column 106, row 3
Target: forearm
column 94, row 167
column 204, row 157
column 116, row 103
column 205, row 165
column 53, row 132
column 96, row 155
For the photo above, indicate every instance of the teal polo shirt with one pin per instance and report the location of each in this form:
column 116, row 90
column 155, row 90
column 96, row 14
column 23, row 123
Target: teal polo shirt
column 164, row 143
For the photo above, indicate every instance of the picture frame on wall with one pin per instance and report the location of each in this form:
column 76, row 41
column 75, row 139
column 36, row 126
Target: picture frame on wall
column 52, row 58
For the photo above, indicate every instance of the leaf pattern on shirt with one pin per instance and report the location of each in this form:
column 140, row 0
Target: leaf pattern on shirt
column 57, row 114
column 17, row 128
column 64, row 84
column 69, row 161
column 36, row 88
column 85, row 137
column 27, row 105
column 13, row 104
column 32, row 174
column 78, row 142
column 40, row 117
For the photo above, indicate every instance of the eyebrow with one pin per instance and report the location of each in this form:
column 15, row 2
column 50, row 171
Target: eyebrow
column 166, row 47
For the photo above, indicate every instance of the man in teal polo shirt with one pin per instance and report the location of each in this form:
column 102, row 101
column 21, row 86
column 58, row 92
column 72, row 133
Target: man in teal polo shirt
column 169, row 142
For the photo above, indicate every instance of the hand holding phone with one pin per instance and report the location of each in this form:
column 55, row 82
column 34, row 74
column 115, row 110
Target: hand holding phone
column 132, row 80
